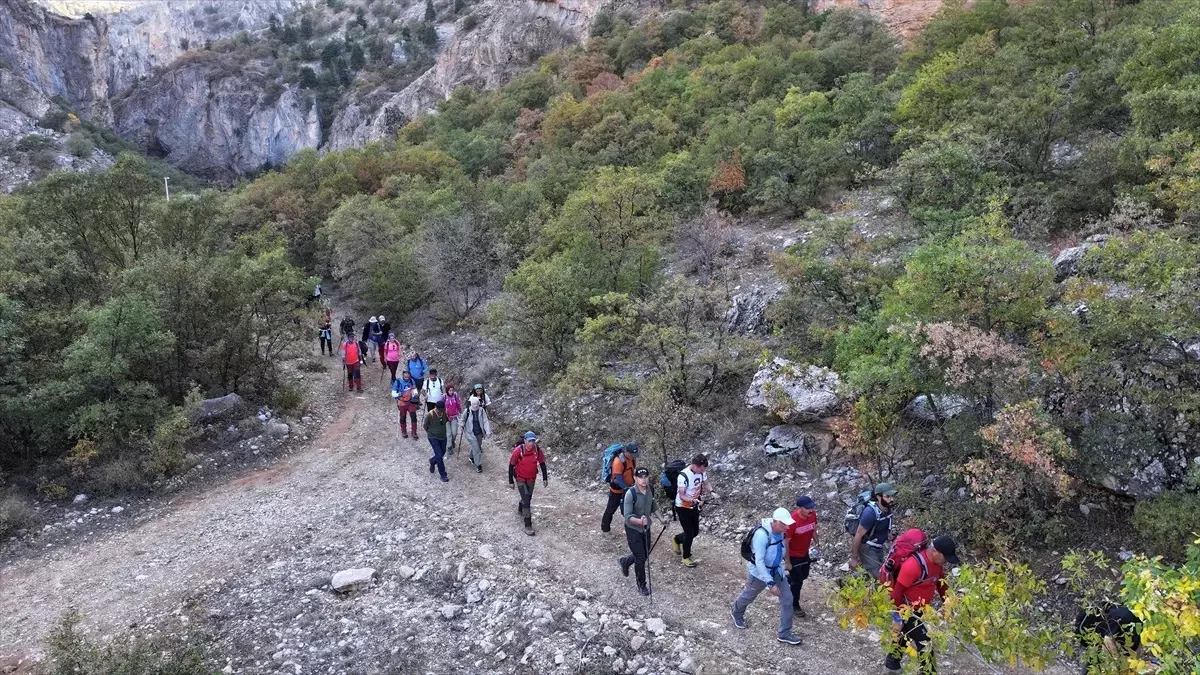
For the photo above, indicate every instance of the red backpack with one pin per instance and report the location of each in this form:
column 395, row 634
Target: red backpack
column 906, row 545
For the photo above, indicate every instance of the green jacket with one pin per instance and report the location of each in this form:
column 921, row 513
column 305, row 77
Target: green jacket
column 435, row 425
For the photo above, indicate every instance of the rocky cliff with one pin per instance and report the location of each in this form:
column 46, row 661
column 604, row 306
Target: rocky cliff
column 44, row 56
column 904, row 17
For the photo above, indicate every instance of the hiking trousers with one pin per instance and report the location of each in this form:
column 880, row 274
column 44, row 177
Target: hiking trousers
column 755, row 586
column 391, row 366
column 913, row 631
column 689, row 520
column 525, row 506
column 437, row 461
column 639, row 551
column 326, row 342
column 354, row 377
column 451, row 436
column 871, row 558
column 476, row 443
column 797, row 576
column 614, row 505
column 408, row 412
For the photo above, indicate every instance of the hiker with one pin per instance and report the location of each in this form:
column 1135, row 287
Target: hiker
column 453, row 412
column 378, row 337
column 874, row 528
column 764, row 571
column 407, row 396
column 478, row 392
column 385, row 332
column 620, row 477
column 689, row 498
column 1107, row 631
column 637, row 505
column 417, row 367
column 316, row 295
column 325, row 333
column 370, row 333
column 476, row 426
column 391, row 354
column 435, row 427
column 802, row 542
column 920, row 575
column 433, row 389
column 347, row 327
column 352, row 360
column 527, row 457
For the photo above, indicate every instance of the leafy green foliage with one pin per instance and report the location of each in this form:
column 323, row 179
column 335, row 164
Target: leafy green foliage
column 72, row 653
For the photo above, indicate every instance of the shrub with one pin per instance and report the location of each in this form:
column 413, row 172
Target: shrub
column 71, row 653
column 16, row 514
column 1169, row 522
column 289, row 399
column 117, row 477
column 35, row 142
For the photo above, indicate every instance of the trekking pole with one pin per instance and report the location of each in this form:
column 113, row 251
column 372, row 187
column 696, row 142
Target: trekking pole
column 343, row 378
column 660, row 534
column 649, row 586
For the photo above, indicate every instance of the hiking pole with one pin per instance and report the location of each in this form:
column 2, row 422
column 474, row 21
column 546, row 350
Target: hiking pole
column 649, row 586
column 660, row 534
column 343, row 378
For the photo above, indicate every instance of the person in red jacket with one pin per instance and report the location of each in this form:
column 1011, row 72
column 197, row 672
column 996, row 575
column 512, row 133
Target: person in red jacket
column 523, row 466
column 921, row 575
column 802, row 543
column 352, row 361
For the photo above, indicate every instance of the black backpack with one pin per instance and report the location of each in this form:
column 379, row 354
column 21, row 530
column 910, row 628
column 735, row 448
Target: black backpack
column 669, row 480
column 747, row 543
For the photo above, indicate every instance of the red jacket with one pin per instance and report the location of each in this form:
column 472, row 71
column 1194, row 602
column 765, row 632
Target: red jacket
column 525, row 462
column 910, row 589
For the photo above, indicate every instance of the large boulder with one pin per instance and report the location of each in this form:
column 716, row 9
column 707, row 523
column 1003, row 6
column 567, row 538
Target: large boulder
column 353, row 579
column 747, row 311
column 1067, row 262
column 794, row 392
column 212, row 409
column 936, row 407
column 784, row 440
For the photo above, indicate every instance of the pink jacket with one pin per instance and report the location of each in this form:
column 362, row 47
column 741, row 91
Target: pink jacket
column 453, row 406
column 391, row 351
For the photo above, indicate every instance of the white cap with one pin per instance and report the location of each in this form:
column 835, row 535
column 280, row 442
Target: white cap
column 381, row 317
column 782, row 515
column 372, row 320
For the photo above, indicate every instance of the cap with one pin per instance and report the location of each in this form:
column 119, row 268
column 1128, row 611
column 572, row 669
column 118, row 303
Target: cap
column 946, row 546
column 632, row 447
column 641, row 471
column 381, row 317
column 530, row 436
column 478, row 386
column 441, row 404
column 805, row 502
column 781, row 514
column 372, row 320
column 885, row 489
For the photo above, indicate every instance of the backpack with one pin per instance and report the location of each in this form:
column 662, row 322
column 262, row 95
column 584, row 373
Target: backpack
column 906, row 546
column 854, row 513
column 669, row 480
column 747, row 544
column 606, row 463
column 376, row 331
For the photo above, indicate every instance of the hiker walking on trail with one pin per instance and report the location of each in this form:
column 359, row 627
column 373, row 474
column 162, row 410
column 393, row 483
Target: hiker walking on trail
column 637, row 505
column 391, row 353
column 453, row 412
column 802, row 548
column 476, row 426
column 407, row 396
column 352, row 360
column 325, row 333
column 1107, row 631
column 372, row 335
column 762, row 548
column 417, row 367
column 920, row 576
column 347, row 327
column 527, row 457
column 874, row 528
column 689, row 498
column 433, row 388
column 385, row 332
column 435, row 427
column 620, row 460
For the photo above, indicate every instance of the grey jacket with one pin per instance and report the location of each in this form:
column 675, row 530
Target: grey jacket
column 637, row 504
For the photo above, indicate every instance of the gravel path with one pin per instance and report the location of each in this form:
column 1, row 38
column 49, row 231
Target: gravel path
column 248, row 562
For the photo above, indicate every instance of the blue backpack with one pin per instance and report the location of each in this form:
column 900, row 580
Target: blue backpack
column 606, row 464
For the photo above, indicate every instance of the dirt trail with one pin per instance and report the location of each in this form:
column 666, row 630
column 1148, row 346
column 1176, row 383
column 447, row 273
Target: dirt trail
column 322, row 499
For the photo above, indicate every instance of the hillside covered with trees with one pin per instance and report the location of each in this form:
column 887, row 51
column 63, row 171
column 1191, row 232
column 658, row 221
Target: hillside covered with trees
column 1042, row 290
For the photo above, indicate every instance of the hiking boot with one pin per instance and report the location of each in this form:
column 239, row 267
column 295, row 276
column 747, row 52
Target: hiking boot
column 688, row 562
column 529, row 529
column 643, row 589
column 791, row 639
column 405, row 434
column 479, row 469
column 416, row 437
column 605, row 530
column 445, row 479
column 738, row 622
column 799, row 612
column 625, row 563
column 676, row 546
column 431, row 468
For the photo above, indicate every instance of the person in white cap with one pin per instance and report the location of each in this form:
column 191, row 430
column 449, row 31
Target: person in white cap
column 763, row 549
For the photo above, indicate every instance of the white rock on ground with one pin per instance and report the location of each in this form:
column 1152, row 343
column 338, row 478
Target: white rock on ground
column 352, row 579
column 794, row 392
column 656, row 625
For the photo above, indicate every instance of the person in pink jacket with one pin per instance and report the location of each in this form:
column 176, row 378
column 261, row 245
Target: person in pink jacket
column 392, row 353
column 453, row 410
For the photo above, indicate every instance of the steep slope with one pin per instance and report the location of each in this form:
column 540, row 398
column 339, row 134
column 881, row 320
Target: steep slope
column 44, row 56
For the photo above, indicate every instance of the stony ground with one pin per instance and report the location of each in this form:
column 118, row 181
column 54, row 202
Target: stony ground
column 458, row 586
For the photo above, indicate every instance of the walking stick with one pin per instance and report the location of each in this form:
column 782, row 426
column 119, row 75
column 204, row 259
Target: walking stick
column 649, row 586
column 660, row 534
column 343, row 378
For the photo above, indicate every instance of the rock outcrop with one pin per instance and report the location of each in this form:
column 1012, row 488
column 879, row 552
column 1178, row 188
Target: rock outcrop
column 794, row 392
column 218, row 122
column 903, row 17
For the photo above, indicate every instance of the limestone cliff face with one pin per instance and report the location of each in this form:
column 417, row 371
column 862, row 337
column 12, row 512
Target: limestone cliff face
column 511, row 37
column 218, row 121
column 43, row 56
column 904, row 17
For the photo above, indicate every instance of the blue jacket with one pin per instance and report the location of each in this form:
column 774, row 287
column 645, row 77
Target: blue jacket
column 417, row 368
column 768, row 554
column 401, row 385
